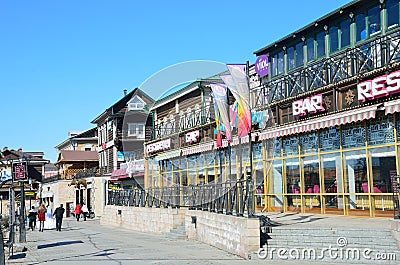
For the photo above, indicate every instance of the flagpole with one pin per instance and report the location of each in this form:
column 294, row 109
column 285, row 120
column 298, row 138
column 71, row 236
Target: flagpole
column 249, row 188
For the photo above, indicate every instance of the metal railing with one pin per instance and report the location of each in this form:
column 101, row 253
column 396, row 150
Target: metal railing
column 232, row 197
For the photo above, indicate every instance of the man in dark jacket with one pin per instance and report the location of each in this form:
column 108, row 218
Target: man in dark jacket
column 58, row 213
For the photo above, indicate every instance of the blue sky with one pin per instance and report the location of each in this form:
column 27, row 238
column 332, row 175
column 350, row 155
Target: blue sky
column 62, row 63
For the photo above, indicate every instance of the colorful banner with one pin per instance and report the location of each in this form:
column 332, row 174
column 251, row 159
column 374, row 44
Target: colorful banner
column 217, row 123
column 221, row 99
column 237, row 83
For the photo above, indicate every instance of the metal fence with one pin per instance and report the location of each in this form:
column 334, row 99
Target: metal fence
column 232, row 197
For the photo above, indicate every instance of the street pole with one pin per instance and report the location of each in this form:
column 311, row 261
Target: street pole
column 22, row 227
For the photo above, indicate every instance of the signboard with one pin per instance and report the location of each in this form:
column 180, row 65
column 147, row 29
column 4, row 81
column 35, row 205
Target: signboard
column 135, row 165
column 5, row 175
column 261, row 65
column 379, row 87
column 20, row 172
column 158, row 146
column 308, row 105
column 192, row 137
column 120, row 156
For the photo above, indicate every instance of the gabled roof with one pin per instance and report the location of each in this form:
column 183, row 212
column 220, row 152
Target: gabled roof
column 77, row 156
column 91, row 133
column 117, row 106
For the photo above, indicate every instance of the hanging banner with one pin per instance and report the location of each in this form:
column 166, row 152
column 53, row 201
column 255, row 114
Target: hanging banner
column 237, row 83
column 221, row 99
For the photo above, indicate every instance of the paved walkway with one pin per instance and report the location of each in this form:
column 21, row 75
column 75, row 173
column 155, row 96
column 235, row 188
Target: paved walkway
column 90, row 243
column 329, row 221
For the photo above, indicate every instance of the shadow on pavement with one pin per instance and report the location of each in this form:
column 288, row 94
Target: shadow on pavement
column 60, row 244
column 18, row 256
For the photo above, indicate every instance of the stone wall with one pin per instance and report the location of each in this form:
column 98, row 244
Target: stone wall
column 395, row 230
column 143, row 219
column 237, row 235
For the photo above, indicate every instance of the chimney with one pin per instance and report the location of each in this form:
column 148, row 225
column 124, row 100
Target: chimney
column 125, row 91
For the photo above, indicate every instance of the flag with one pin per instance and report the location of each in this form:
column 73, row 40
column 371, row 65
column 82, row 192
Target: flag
column 221, row 103
column 237, row 83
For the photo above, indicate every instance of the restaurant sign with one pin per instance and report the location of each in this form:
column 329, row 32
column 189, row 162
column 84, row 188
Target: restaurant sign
column 310, row 105
column 158, row 146
column 379, row 87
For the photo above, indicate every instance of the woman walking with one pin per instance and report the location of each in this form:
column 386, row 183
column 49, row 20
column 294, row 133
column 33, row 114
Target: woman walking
column 78, row 211
column 41, row 216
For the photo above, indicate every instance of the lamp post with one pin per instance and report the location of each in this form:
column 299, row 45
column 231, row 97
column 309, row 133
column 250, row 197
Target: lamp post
column 20, row 174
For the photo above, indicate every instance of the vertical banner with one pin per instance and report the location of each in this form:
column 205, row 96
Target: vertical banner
column 217, row 122
column 238, row 84
column 221, row 100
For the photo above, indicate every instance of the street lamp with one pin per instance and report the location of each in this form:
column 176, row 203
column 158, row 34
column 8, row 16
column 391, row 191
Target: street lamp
column 20, row 174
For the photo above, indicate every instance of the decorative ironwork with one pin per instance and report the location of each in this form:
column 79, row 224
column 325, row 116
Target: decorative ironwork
column 224, row 198
column 349, row 97
column 375, row 54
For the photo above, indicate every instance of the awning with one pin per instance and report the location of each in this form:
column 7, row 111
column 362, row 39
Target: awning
column 200, row 148
column 392, row 106
column 168, row 155
column 119, row 173
column 341, row 118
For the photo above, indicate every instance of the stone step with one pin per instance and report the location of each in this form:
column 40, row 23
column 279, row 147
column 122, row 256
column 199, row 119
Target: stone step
column 317, row 238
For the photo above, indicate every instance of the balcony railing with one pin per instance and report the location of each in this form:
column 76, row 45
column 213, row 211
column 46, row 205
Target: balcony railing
column 228, row 198
column 376, row 53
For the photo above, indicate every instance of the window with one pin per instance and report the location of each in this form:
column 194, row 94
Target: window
column 374, row 20
column 136, row 104
column 295, row 56
column 277, row 63
column 345, row 33
column 333, row 39
column 280, row 62
column 392, row 7
column 136, row 129
column 310, row 49
column 290, row 56
column 299, row 54
column 361, row 33
column 320, row 40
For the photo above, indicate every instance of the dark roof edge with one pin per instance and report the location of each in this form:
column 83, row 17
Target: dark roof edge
column 262, row 50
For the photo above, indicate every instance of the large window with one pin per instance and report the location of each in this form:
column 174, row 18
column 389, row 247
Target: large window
column 374, row 20
column 310, row 49
column 299, row 54
column 290, row 57
column 361, row 32
column 278, row 63
column 333, row 39
column 136, row 129
column 345, row 33
column 392, row 7
column 320, row 40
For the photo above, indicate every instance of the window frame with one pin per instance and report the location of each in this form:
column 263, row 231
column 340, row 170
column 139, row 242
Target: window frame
column 137, row 128
column 142, row 103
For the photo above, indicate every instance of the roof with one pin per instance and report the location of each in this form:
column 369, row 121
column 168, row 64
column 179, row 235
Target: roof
column 74, row 155
column 31, row 156
column 84, row 135
column 185, row 88
column 111, row 110
column 346, row 8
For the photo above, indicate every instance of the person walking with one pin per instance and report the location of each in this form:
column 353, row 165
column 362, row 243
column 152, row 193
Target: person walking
column 32, row 218
column 85, row 211
column 78, row 211
column 41, row 214
column 58, row 213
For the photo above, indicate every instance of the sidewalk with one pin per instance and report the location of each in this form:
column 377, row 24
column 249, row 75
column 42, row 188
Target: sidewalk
column 90, row 243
